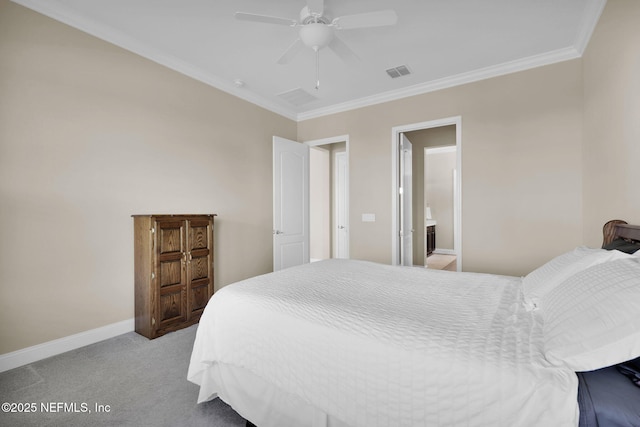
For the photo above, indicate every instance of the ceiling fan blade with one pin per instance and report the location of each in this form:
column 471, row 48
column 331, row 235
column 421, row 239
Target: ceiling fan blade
column 316, row 6
column 291, row 52
column 367, row 19
column 241, row 16
column 344, row 52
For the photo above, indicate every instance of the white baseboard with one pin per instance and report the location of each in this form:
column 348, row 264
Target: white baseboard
column 444, row 251
column 51, row 348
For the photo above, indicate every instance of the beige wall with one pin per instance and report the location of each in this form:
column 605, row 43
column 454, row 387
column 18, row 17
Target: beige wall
column 548, row 154
column 521, row 165
column 439, row 180
column 612, row 119
column 91, row 134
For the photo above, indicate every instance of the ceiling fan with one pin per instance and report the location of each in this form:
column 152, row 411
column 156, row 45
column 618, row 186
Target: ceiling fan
column 317, row 31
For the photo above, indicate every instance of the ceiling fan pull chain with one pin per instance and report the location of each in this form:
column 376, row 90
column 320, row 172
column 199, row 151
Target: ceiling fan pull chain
column 317, row 68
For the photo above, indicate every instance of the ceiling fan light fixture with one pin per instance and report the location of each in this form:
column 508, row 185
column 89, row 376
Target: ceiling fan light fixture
column 316, row 35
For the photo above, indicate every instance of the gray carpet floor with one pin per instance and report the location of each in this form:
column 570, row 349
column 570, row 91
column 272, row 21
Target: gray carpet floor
column 124, row 381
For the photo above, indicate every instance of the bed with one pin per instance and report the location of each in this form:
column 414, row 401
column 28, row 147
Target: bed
column 353, row 343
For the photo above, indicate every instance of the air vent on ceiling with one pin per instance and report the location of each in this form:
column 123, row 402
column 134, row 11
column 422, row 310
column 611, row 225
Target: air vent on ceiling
column 399, row 71
column 297, row 96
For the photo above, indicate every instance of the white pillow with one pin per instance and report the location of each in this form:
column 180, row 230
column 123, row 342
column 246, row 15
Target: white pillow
column 543, row 279
column 592, row 320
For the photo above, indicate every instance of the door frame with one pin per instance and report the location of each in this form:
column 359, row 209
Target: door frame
column 335, row 140
column 395, row 208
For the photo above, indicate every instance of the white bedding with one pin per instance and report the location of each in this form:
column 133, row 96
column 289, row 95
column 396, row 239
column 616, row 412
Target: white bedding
column 354, row 343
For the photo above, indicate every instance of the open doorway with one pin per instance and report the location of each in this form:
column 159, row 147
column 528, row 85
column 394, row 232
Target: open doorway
column 430, row 218
column 329, row 198
column 438, row 200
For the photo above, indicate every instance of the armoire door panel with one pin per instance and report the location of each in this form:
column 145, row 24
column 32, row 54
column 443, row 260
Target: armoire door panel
column 198, row 235
column 171, row 273
column 170, row 238
column 199, row 268
column 199, row 296
column 171, row 307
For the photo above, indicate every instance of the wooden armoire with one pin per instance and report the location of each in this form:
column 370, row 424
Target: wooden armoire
column 173, row 271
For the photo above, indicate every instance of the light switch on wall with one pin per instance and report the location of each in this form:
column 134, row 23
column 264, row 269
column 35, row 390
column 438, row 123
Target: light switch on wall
column 368, row 217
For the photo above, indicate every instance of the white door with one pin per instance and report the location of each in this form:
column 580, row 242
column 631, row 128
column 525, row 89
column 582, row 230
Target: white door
column 290, row 203
column 341, row 247
column 406, row 202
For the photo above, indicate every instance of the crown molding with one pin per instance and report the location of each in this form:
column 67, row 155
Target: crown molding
column 590, row 19
column 447, row 82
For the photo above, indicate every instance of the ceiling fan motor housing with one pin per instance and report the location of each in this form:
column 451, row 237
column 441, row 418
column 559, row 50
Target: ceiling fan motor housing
column 307, row 16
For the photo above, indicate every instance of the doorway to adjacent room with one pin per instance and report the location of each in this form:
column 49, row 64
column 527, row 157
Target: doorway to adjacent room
column 329, row 198
column 426, row 218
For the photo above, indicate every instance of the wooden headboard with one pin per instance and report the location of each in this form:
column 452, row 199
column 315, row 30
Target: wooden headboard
column 618, row 228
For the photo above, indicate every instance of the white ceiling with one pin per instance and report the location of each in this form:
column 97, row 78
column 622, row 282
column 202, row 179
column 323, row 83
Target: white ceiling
column 443, row 42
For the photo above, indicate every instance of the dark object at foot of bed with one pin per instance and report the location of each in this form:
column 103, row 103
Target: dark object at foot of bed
column 250, row 424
